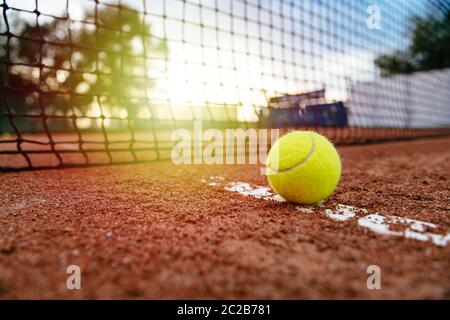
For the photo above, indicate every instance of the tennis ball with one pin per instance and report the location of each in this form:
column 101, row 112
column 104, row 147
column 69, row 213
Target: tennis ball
column 303, row 167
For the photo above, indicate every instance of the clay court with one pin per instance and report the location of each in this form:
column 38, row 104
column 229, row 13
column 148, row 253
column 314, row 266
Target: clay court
column 160, row 230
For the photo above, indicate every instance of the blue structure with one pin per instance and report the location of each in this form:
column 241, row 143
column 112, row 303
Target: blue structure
column 326, row 115
column 318, row 115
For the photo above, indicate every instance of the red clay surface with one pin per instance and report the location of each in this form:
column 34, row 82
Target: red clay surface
column 156, row 231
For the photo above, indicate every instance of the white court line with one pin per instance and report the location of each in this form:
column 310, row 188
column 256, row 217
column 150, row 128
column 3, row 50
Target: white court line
column 344, row 212
column 413, row 229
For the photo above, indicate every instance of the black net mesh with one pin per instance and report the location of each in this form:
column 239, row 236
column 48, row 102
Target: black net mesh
column 107, row 81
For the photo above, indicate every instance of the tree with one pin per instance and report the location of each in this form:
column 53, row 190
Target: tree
column 64, row 67
column 429, row 49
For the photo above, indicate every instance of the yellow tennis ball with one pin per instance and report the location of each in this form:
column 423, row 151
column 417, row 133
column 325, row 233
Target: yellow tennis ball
column 303, row 167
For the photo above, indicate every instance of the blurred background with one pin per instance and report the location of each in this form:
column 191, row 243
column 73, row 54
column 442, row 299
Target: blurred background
column 80, row 77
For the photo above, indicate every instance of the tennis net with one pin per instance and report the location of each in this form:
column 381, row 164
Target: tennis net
column 87, row 82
